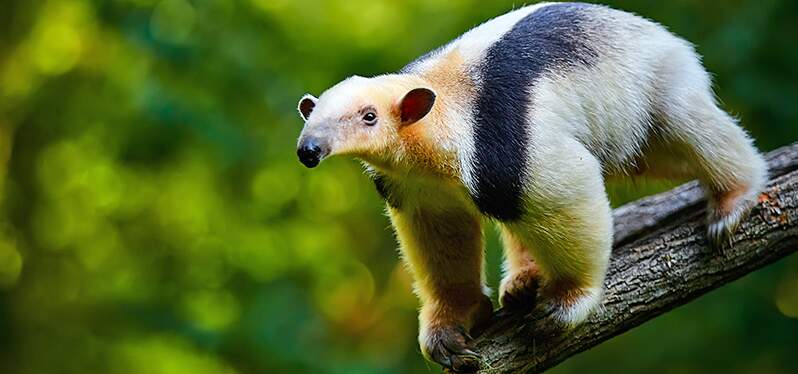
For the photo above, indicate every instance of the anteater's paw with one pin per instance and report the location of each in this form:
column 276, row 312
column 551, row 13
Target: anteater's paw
column 518, row 291
column 449, row 346
column 726, row 212
column 570, row 307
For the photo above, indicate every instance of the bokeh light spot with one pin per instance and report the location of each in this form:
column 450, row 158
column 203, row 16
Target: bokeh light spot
column 211, row 310
column 57, row 39
column 58, row 50
column 172, row 21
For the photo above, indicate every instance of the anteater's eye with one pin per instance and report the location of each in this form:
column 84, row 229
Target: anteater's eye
column 370, row 118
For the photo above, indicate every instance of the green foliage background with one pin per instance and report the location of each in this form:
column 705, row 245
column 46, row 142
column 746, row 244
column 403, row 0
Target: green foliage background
column 154, row 218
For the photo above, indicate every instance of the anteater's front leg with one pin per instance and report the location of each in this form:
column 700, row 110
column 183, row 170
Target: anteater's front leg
column 443, row 248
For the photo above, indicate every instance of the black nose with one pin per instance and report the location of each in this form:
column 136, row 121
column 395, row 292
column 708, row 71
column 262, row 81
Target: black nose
column 309, row 153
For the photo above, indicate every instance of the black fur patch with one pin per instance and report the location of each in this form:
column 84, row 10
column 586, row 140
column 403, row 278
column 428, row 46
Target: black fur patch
column 384, row 188
column 548, row 38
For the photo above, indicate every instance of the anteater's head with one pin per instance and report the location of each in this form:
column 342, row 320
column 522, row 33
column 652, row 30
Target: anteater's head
column 362, row 117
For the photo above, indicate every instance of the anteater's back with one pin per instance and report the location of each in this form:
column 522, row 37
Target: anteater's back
column 632, row 93
column 529, row 68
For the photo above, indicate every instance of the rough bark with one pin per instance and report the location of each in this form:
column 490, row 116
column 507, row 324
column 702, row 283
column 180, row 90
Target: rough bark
column 661, row 260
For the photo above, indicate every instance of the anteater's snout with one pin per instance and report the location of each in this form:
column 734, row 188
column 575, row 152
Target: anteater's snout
column 310, row 152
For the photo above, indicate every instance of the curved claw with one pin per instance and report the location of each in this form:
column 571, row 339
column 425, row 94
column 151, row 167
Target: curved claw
column 448, row 346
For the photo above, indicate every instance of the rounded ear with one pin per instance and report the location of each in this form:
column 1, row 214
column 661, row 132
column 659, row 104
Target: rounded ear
column 415, row 105
column 306, row 105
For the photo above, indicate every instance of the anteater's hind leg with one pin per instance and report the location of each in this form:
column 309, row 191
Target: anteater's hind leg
column 717, row 151
column 562, row 243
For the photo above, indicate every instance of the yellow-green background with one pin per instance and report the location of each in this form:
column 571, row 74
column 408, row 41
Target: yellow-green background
column 154, row 218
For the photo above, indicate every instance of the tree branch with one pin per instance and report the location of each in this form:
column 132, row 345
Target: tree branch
column 660, row 261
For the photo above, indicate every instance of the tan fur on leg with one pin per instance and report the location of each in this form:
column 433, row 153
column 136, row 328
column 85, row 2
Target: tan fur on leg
column 443, row 249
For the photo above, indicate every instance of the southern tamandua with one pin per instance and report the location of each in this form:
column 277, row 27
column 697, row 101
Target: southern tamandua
column 520, row 120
